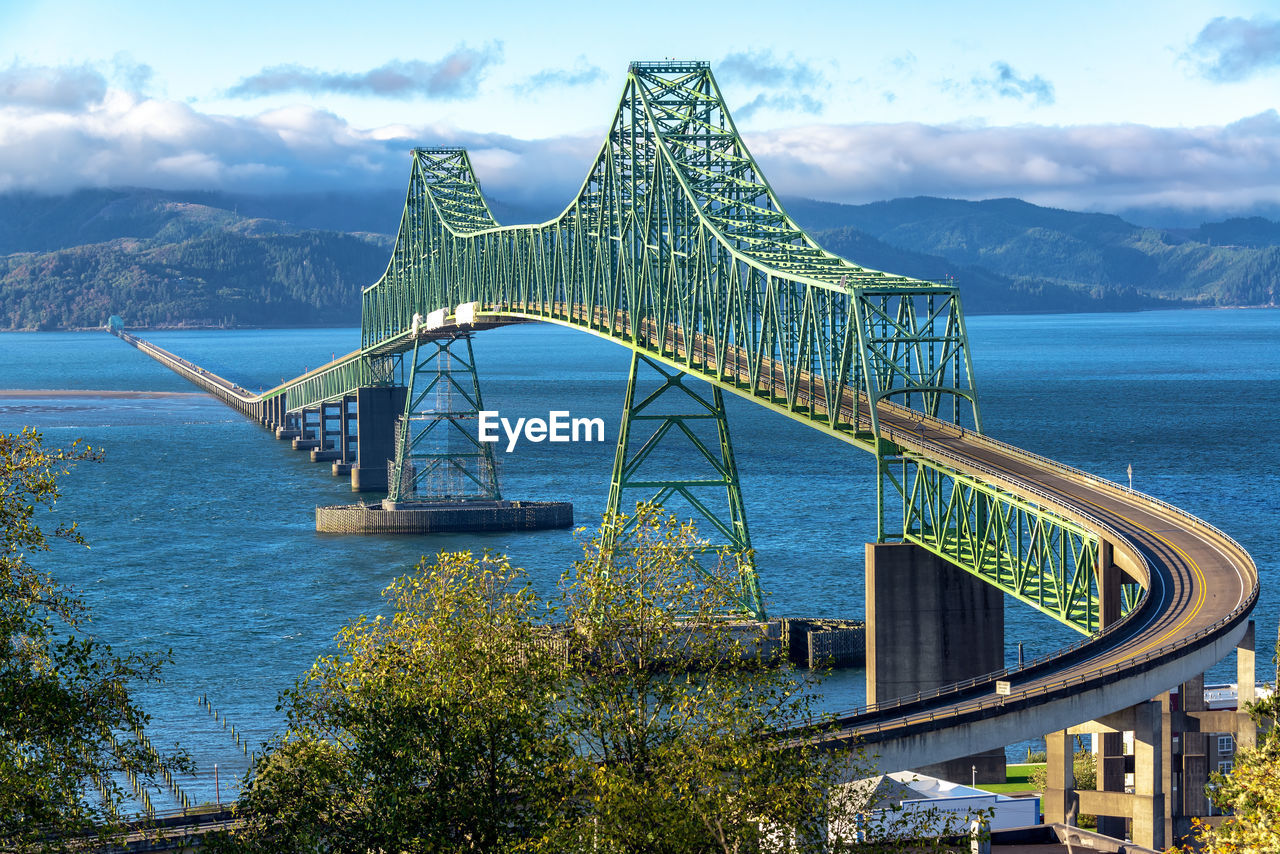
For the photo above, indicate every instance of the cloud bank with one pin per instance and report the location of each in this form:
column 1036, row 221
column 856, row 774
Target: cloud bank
column 1085, row 167
column 62, row 129
column 456, row 75
column 67, row 88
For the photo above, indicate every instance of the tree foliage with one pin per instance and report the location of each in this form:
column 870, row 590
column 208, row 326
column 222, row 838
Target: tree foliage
column 1084, row 767
column 638, row 722
column 1250, row 792
column 433, row 730
column 68, row 726
column 671, row 698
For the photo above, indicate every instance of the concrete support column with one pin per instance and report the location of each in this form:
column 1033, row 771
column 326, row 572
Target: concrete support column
column 1169, row 764
column 1110, row 593
column 330, row 429
column 1148, row 776
column 931, row 624
column 377, row 409
column 1246, row 690
column 1110, row 770
column 1059, row 804
column 348, row 430
column 1195, row 759
column 1110, row 746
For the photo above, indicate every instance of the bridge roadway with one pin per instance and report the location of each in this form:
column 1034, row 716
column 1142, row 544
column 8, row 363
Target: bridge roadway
column 1200, row 587
column 1200, row 584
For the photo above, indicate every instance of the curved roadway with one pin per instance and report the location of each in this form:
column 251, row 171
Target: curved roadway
column 1200, row 587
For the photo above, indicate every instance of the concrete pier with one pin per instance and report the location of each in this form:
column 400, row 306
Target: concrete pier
column 437, row 517
column 931, row 624
column 377, row 411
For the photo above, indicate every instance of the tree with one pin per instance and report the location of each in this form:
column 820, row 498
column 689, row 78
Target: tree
column 433, row 730
column 640, row 723
column 68, row 726
column 671, row 697
column 1250, row 792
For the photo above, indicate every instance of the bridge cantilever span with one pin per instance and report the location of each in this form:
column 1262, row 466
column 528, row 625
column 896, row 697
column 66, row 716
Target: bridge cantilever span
column 677, row 248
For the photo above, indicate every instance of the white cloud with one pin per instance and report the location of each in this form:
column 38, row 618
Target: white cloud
column 1232, row 49
column 124, row 138
column 1100, row 167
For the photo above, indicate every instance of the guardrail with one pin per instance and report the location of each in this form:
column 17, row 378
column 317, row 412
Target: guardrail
column 1060, row 655
column 1060, row 685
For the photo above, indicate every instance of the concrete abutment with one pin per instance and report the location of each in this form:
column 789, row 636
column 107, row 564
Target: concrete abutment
column 931, row 624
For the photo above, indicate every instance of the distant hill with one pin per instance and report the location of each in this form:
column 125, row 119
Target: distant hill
column 206, row 258
column 1236, row 262
column 982, row 291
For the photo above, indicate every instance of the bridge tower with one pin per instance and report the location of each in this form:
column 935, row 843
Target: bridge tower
column 439, row 456
column 440, row 476
column 674, row 450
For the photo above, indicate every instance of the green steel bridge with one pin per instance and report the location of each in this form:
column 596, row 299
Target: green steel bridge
column 677, row 248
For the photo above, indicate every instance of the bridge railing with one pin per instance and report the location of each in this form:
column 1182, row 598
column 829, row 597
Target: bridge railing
column 954, row 710
column 958, row 687
column 1112, row 486
column 1114, row 536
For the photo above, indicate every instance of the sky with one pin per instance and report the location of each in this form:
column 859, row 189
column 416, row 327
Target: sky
column 1122, row 107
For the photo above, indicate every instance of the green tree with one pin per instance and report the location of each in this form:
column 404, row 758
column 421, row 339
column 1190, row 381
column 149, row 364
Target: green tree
column 433, row 730
column 640, row 723
column 1250, row 792
column 68, row 726
column 1084, row 769
column 671, row 696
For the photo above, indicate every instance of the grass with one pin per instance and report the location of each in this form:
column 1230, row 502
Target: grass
column 1017, row 779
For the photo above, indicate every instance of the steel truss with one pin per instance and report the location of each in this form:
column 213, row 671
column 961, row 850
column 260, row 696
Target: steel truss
column 677, row 247
column 1042, row 559
column 439, row 455
column 678, row 415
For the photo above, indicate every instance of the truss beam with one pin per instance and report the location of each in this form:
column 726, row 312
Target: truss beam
column 699, row 476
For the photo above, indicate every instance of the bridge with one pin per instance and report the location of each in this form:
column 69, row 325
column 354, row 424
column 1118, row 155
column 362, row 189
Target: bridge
column 677, row 248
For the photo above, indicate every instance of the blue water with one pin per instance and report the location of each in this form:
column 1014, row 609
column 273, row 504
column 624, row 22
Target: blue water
column 203, row 529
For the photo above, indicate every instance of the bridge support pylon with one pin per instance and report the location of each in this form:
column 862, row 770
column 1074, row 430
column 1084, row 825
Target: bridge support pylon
column 931, row 624
column 439, row 455
column 674, row 450
column 377, row 408
column 439, row 476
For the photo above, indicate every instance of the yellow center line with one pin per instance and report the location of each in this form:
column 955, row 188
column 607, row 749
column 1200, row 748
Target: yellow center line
column 1201, row 588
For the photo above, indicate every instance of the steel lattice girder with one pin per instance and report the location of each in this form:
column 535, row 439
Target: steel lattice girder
column 677, row 247
column 1030, row 554
column 437, row 437
column 675, row 410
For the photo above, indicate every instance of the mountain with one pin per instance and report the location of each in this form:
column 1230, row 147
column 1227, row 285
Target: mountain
column 983, row 291
column 223, row 278
column 1232, row 263
column 207, row 258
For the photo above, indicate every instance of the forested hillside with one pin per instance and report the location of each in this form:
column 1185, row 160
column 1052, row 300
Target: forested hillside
column 218, row 279
column 1236, row 262
column 214, row 259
